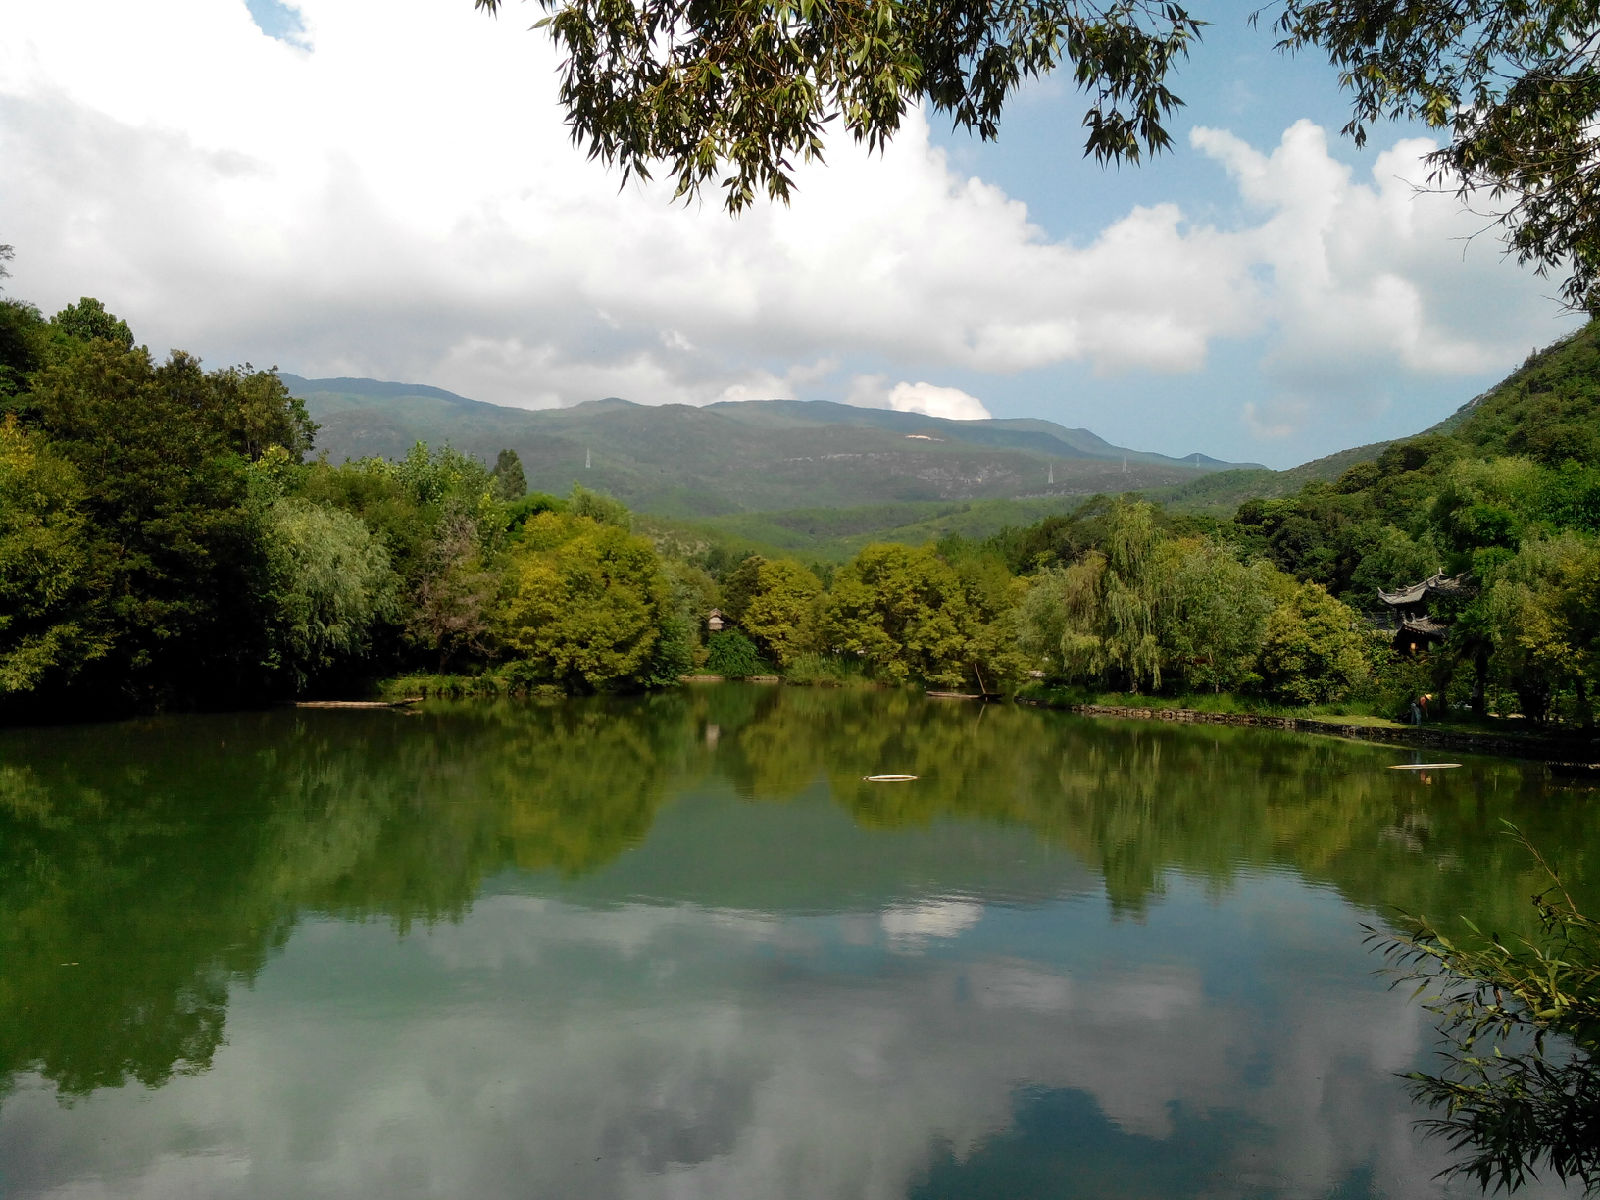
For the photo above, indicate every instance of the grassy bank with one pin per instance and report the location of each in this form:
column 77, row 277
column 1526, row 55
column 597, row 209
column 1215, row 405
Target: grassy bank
column 1512, row 736
column 488, row 685
column 1221, row 703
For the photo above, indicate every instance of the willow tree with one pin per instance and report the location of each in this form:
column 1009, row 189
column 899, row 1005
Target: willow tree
column 332, row 583
column 1215, row 614
column 1516, row 1087
column 1099, row 619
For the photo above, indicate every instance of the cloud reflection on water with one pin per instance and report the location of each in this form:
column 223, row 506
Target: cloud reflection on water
column 573, row 951
column 542, row 1048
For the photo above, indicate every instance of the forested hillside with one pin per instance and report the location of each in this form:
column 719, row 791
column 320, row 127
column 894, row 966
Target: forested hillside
column 678, row 461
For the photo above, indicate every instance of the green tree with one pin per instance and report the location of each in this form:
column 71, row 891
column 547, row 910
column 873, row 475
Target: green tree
column 371, row 489
column 901, row 611
column 1520, row 1086
column 437, row 514
column 732, row 654
column 510, row 481
column 781, row 615
column 1392, row 559
column 176, row 550
column 599, row 507
column 694, row 594
column 1313, row 651
column 23, row 333
column 254, row 412
column 740, row 584
column 1215, row 614
column 447, row 483
column 586, row 603
column 1059, row 620
column 1486, row 502
column 1515, row 85
column 1131, row 593
column 44, row 566
column 1099, row 619
column 452, row 610
column 739, row 92
column 331, row 583
column 88, row 319
column 1543, row 620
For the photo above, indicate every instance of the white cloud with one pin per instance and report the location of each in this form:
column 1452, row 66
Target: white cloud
column 398, row 197
column 909, row 926
column 1368, row 279
column 931, row 400
column 1276, row 418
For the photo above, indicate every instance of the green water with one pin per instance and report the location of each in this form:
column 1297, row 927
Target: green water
column 678, row 948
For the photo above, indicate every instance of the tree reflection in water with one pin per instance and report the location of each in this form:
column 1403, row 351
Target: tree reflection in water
column 147, row 868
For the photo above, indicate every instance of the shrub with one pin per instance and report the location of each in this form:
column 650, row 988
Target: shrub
column 825, row 670
column 732, row 654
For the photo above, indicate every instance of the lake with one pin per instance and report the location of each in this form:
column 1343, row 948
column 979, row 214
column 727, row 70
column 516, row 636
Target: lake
column 679, row 947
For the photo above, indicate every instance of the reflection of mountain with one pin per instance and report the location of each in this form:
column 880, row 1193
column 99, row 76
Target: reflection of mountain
column 165, row 860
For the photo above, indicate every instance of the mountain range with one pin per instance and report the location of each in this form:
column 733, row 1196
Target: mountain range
column 738, row 457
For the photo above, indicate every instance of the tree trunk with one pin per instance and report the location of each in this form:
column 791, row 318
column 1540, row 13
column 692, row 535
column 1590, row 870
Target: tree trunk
column 1480, row 679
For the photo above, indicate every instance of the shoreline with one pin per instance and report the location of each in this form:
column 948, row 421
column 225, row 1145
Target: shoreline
column 1573, row 756
column 1508, row 746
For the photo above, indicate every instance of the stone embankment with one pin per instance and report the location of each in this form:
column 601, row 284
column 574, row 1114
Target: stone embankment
column 1405, row 735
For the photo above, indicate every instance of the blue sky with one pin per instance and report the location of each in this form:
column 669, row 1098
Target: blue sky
column 1236, row 79
column 385, row 188
column 277, row 20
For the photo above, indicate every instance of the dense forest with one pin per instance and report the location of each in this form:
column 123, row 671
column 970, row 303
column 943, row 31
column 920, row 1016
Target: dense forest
column 167, row 539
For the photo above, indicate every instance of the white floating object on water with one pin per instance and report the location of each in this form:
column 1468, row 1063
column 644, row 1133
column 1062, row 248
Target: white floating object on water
column 888, row 778
column 1423, row 766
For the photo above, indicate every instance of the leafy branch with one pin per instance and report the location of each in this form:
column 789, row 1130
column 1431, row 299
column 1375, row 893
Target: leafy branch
column 1520, row 1025
column 744, row 89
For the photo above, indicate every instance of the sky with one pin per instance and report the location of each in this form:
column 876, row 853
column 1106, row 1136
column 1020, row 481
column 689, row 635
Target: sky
column 387, row 188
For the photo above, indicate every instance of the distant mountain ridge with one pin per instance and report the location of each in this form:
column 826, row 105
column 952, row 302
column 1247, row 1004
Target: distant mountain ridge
column 742, row 456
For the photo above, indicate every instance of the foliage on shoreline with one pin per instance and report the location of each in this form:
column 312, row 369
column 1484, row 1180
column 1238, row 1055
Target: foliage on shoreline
column 1520, row 1023
column 166, row 541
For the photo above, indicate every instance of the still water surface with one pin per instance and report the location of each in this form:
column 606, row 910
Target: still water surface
column 678, row 948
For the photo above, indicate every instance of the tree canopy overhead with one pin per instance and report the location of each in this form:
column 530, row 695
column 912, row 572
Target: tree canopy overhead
column 746, row 86
column 734, row 92
column 1516, row 85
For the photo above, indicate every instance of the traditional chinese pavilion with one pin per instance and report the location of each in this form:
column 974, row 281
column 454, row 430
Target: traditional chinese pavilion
column 1414, row 627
